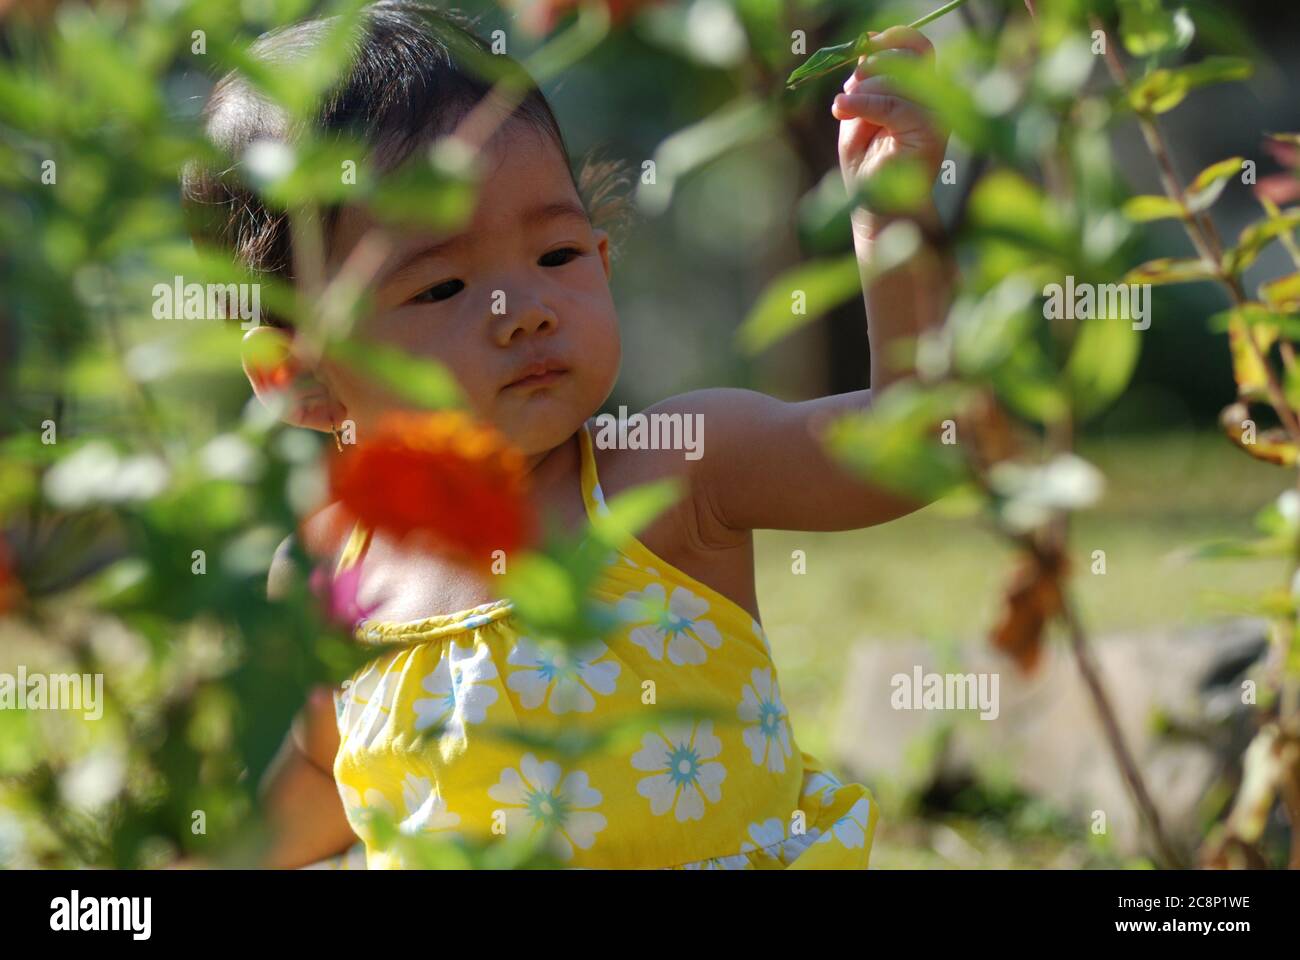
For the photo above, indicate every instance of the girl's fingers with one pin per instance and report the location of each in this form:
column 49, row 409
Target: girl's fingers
column 903, row 38
column 870, row 63
column 882, row 109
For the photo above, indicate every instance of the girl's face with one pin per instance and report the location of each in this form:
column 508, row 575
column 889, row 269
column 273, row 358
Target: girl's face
column 517, row 306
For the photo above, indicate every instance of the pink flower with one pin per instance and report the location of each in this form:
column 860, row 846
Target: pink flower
column 1281, row 188
column 338, row 595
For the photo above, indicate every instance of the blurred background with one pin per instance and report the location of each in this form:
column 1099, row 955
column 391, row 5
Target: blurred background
column 922, row 589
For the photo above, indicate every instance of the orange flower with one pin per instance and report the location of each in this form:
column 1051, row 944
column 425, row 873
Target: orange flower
column 439, row 475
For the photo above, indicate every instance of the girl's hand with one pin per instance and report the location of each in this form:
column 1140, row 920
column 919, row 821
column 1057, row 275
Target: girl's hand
column 877, row 126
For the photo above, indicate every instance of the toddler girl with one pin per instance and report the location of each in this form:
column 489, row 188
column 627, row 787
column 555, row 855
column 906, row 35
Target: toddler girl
column 410, row 735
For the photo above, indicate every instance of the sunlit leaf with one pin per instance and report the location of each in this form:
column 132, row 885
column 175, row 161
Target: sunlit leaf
column 1210, row 183
column 1271, row 445
column 1006, row 205
column 807, row 292
column 896, row 443
column 425, row 383
column 1255, row 238
column 1162, row 90
column 1247, row 368
column 1101, row 363
column 1170, row 270
column 1147, row 208
column 744, row 121
column 1147, row 28
column 1282, row 294
column 796, row 298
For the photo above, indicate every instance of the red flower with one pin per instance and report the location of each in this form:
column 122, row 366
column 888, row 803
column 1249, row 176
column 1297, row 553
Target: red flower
column 11, row 589
column 441, row 476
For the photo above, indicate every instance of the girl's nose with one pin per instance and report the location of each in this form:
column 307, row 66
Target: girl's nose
column 518, row 315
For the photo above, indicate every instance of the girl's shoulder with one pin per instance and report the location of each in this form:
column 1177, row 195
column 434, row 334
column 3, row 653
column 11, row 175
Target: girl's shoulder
column 323, row 536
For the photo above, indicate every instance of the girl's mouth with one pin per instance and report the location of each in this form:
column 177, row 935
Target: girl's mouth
column 538, row 374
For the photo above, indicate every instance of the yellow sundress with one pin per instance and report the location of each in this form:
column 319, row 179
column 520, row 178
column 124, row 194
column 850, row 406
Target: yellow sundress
column 730, row 791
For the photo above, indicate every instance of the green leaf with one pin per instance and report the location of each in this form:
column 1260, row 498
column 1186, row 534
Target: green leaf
column 1148, row 29
column 633, row 510
column 1254, row 313
column 899, row 187
column 1144, row 209
column 807, row 292
column 436, row 189
column 986, row 330
column 1256, row 237
column 311, row 171
column 1101, row 364
column 1249, row 373
column 1006, row 205
column 1162, row 90
column 545, row 595
column 896, row 442
column 1170, row 270
column 1282, row 294
column 425, row 383
column 798, row 297
column 827, row 59
column 743, row 121
column 1210, row 183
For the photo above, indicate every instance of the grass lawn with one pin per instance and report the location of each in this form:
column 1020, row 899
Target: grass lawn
column 934, row 577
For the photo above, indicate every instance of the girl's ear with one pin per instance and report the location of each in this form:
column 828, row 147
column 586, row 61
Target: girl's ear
column 278, row 378
column 602, row 244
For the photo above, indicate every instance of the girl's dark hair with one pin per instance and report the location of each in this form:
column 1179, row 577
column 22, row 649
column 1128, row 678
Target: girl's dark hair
column 415, row 73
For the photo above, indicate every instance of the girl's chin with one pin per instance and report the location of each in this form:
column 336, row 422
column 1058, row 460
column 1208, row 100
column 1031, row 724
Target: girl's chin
column 543, row 430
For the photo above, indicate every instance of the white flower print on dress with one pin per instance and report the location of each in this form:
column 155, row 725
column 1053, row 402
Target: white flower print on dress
column 736, row 861
column 685, row 773
column 761, row 634
column 537, row 797
column 768, row 733
column 425, row 810
column 362, row 809
column 822, row 786
column 772, row 839
column 460, row 695
column 674, row 623
column 367, row 705
column 569, row 675
column 851, row 829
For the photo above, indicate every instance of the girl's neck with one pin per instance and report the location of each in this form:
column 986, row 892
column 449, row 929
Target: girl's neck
column 552, row 472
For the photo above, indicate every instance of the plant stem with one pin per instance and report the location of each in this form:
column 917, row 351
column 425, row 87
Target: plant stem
column 862, row 44
column 1165, row 853
column 1205, row 241
column 934, row 15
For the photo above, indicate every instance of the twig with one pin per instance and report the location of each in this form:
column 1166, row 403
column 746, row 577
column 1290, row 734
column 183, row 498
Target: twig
column 1204, row 240
column 1165, row 852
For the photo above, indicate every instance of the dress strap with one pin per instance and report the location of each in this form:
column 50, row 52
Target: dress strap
column 592, row 495
column 356, row 547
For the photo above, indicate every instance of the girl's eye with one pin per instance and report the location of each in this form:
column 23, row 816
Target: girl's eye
column 443, row 291
column 558, row 258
